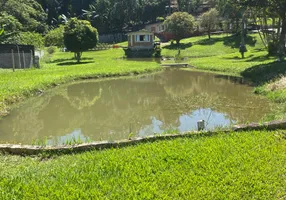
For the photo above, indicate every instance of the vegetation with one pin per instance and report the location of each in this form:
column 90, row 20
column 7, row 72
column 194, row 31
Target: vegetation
column 248, row 165
column 55, row 37
column 180, row 24
column 79, row 36
column 21, row 16
column 209, row 20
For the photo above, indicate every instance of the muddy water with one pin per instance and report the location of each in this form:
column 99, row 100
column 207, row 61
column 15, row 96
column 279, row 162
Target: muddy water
column 112, row 109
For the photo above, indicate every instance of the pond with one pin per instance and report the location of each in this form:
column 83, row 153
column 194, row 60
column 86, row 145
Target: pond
column 114, row 109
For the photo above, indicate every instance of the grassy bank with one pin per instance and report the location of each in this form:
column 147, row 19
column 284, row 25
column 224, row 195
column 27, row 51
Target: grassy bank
column 249, row 165
column 61, row 68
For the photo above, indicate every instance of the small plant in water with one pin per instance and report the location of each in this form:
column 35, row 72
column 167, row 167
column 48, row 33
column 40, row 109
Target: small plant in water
column 40, row 142
column 130, row 136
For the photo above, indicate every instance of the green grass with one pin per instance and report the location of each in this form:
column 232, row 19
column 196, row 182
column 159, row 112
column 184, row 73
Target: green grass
column 62, row 68
column 248, row 165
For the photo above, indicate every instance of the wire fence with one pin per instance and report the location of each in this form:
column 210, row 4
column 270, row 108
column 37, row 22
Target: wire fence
column 16, row 56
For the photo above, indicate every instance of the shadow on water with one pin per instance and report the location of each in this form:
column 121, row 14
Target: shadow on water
column 157, row 60
column 235, row 80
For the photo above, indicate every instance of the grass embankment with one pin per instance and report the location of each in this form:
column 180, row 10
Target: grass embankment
column 248, row 165
column 220, row 54
column 62, row 68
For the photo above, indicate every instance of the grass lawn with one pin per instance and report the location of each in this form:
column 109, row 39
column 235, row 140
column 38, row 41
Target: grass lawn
column 248, row 165
column 62, row 68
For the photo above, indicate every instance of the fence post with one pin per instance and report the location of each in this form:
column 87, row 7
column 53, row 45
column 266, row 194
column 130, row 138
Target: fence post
column 20, row 64
column 24, row 59
column 13, row 61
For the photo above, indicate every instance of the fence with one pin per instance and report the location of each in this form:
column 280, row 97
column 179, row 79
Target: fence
column 16, row 56
column 112, row 38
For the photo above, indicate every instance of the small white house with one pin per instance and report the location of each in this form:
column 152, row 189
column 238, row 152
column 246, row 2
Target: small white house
column 141, row 40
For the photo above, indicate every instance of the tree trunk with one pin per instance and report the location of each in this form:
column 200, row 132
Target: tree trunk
column 209, row 34
column 262, row 39
column 178, row 42
column 282, row 40
column 77, row 56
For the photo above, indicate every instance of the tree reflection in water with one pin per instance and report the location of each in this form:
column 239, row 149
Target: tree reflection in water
column 112, row 109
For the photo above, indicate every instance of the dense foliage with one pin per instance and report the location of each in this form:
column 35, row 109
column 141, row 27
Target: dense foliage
column 79, row 36
column 180, row 24
column 55, row 37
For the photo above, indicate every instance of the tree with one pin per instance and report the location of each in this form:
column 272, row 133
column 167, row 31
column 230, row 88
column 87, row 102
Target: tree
column 55, row 37
column 268, row 8
column 79, row 36
column 28, row 13
column 180, row 24
column 209, row 20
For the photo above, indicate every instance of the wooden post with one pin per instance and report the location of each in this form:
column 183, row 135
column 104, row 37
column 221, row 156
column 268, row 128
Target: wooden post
column 201, row 125
column 13, row 61
column 24, row 59
column 19, row 56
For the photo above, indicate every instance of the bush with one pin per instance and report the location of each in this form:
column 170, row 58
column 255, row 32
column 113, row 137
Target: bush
column 272, row 48
column 55, row 37
column 31, row 38
column 51, row 49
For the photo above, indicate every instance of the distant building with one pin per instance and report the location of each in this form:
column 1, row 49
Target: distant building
column 141, row 44
column 141, row 40
column 157, row 27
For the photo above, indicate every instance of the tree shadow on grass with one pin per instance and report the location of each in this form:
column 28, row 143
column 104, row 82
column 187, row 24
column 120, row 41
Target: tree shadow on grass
column 61, row 60
column 180, row 46
column 261, row 74
column 253, row 58
column 74, row 63
column 231, row 41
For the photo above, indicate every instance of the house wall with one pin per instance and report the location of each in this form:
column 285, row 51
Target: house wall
column 133, row 44
column 155, row 28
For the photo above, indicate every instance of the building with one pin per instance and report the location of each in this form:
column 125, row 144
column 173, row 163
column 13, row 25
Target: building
column 141, row 44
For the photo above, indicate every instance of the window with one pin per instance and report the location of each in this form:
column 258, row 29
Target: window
column 142, row 38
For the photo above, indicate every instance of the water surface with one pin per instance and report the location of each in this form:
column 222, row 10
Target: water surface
column 118, row 108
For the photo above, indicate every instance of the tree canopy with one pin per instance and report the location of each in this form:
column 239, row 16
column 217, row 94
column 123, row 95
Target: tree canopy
column 79, row 36
column 209, row 20
column 180, row 24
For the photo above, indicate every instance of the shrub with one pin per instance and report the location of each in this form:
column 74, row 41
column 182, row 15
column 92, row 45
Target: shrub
column 51, row 49
column 31, row 38
column 55, row 37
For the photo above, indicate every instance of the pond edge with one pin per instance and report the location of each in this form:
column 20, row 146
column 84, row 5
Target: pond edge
column 29, row 150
